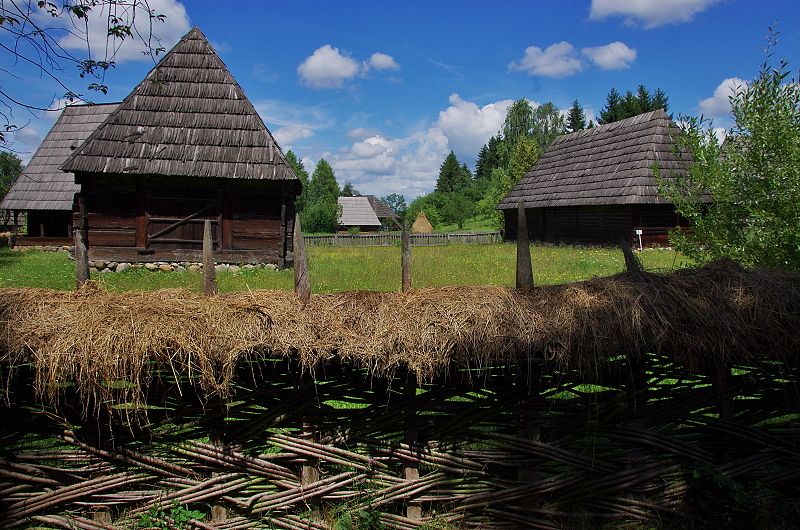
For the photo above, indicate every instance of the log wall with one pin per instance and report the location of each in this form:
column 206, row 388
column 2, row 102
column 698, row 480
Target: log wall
column 141, row 220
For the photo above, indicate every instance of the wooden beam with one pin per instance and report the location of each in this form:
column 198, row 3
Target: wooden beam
column 524, row 268
column 81, row 259
column 302, row 282
column 405, row 260
column 209, row 272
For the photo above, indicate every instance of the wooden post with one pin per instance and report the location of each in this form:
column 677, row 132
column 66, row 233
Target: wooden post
column 15, row 232
column 405, row 260
column 411, row 470
column 632, row 263
column 302, row 282
column 309, row 471
column 209, row 272
column 524, row 268
column 282, row 233
column 218, row 512
column 81, row 259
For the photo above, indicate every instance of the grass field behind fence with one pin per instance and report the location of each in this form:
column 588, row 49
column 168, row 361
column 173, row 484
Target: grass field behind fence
column 336, row 269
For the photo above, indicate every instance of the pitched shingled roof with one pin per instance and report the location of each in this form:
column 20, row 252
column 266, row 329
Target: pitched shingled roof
column 189, row 117
column 42, row 185
column 357, row 211
column 610, row 164
column 381, row 210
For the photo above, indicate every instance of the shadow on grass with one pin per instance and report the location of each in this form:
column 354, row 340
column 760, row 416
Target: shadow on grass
column 8, row 257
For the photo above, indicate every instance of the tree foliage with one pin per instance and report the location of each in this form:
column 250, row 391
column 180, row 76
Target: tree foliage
column 349, row 191
column 321, row 211
column 752, row 179
column 10, row 168
column 453, row 175
column 576, row 119
column 302, row 175
column 396, row 203
column 620, row 107
column 35, row 41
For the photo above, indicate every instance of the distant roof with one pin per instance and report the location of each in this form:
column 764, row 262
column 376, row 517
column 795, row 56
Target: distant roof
column 381, row 210
column 357, row 211
column 189, row 117
column 610, row 164
column 42, row 185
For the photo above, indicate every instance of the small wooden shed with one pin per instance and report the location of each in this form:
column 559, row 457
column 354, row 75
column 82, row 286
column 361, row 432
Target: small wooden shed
column 366, row 212
column 184, row 147
column 45, row 194
column 597, row 185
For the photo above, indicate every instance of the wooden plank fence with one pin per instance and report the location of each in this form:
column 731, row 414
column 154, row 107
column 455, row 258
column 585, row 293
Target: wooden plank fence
column 390, row 239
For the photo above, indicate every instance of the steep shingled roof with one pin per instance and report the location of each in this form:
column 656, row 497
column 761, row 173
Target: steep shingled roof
column 610, row 164
column 42, row 185
column 381, row 210
column 188, row 117
column 357, row 211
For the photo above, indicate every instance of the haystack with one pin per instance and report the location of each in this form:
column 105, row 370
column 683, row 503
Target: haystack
column 718, row 315
column 421, row 225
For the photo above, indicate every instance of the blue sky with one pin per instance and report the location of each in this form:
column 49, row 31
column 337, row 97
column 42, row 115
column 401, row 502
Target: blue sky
column 384, row 90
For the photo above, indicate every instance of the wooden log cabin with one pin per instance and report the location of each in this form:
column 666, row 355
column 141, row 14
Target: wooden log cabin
column 184, row 147
column 597, row 186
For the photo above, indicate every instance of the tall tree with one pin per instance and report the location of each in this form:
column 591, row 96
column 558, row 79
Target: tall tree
column 453, row 176
column 576, row 120
column 321, row 212
column 518, row 122
column 548, row 123
column 10, row 168
column 349, row 191
column 36, row 29
column 742, row 197
column 396, row 203
column 302, row 175
column 618, row 108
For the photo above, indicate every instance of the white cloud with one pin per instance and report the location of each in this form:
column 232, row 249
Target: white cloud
column 649, row 13
column 614, row 56
column 285, row 136
column 562, row 59
column 557, row 60
column 378, row 165
column 175, row 25
column 467, row 126
column 381, row 61
column 327, row 68
column 719, row 104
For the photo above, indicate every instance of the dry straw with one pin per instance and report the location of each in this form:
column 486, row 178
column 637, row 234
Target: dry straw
column 717, row 315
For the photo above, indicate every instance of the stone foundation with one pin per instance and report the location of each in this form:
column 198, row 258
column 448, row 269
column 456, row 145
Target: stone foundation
column 163, row 266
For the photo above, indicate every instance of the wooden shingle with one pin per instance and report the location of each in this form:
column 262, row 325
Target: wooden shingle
column 188, row 118
column 42, row 185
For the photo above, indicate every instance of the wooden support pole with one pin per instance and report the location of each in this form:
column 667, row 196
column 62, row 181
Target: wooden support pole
column 411, row 469
column 209, row 271
column 282, row 233
column 632, row 263
column 302, row 281
column 405, row 260
column 309, row 471
column 81, row 259
column 524, row 268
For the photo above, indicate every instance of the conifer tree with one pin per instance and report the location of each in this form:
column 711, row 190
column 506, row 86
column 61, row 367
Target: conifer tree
column 576, row 120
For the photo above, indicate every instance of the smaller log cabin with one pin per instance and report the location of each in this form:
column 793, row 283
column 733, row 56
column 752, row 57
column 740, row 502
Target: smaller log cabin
column 43, row 195
column 597, row 186
column 184, row 147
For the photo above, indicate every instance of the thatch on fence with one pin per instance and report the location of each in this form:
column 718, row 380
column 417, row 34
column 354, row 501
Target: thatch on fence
column 717, row 315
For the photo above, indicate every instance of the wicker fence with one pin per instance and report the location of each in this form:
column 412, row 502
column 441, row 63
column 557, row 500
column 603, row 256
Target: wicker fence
column 499, row 448
column 417, row 240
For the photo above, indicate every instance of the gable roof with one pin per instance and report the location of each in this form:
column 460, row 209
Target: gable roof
column 42, row 185
column 357, row 211
column 610, row 164
column 381, row 210
column 188, row 117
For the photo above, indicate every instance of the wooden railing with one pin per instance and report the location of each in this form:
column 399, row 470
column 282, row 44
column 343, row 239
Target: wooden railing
column 389, row 239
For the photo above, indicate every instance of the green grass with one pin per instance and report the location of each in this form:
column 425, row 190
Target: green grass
column 335, row 269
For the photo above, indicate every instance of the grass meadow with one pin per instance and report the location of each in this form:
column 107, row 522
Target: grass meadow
column 335, row 269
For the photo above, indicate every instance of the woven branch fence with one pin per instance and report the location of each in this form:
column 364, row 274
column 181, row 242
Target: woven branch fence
column 341, row 441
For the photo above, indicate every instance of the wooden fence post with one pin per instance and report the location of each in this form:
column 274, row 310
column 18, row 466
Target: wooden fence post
column 405, row 260
column 411, row 469
column 309, row 470
column 302, row 281
column 81, row 259
column 524, row 268
column 209, row 272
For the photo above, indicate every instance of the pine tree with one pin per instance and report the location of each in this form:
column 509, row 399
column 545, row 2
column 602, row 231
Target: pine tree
column 453, row 176
column 576, row 120
column 618, row 108
column 321, row 211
